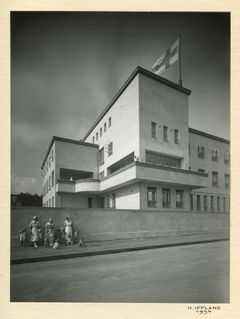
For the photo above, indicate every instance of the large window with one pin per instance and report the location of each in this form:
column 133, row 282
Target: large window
column 176, row 136
column 164, row 160
column 154, row 129
column 179, row 199
column 214, row 178
column 152, row 196
column 165, row 133
column 166, row 198
column 201, row 151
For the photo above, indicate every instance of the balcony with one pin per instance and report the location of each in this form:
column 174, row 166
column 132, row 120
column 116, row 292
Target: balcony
column 79, row 186
column 143, row 172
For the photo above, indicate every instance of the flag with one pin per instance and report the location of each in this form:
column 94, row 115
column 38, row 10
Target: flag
column 169, row 57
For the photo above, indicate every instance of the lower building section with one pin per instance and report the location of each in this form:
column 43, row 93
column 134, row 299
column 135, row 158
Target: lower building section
column 205, row 202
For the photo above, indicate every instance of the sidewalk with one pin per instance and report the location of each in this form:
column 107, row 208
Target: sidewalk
column 21, row 255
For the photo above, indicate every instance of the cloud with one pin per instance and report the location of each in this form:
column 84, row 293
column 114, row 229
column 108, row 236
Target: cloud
column 23, row 184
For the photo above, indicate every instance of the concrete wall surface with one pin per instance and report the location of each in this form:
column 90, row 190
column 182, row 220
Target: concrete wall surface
column 103, row 224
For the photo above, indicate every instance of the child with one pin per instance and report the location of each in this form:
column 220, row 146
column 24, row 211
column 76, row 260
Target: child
column 22, row 237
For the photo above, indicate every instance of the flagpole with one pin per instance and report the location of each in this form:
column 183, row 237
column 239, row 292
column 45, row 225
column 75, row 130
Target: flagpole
column 180, row 60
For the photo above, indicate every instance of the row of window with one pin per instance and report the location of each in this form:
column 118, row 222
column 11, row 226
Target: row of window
column 48, row 163
column 108, row 149
column 165, row 133
column 49, row 184
column 104, row 129
column 215, row 180
column 166, row 198
column 49, row 203
column 215, row 205
column 214, row 154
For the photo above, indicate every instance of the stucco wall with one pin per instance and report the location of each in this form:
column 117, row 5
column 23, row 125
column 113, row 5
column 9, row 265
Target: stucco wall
column 124, row 130
column 164, row 106
column 117, row 224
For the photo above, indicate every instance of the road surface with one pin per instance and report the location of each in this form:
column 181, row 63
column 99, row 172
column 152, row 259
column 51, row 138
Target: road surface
column 186, row 274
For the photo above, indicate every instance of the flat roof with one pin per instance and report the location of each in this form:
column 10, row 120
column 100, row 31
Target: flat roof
column 68, row 140
column 220, row 139
column 125, row 85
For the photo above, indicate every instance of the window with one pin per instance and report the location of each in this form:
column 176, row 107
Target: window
column 198, row 202
column 201, row 151
column 52, row 178
column 205, row 203
column 101, row 174
column 227, row 180
column 191, row 202
column 154, row 129
column 100, row 131
column 176, row 136
column 53, row 201
column 215, row 155
column 105, row 127
column 212, row 203
column 163, row 160
column 110, row 149
column 52, row 155
column 96, row 136
column 109, row 122
column 179, row 198
column 50, row 202
column 189, row 149
column 89, row 202
column 152, row 197
column 93, row 139
column 111, row 200
column 224, row 204
column 49, row 183
column 101, row 156
column 214, row 178
column 218, row 204
column 165, row 133
column 226, row 158
column 166, row 198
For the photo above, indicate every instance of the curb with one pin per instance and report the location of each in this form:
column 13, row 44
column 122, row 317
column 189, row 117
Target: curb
column 108, row 251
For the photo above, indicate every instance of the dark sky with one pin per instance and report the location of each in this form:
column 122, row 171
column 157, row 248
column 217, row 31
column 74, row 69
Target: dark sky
column 66, row 67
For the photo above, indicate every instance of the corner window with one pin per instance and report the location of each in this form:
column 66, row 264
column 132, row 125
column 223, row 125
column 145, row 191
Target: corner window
column 166, row 198
column 152, row 197
column 165, row 133
column 176, row 136
column 214, row 178
column 154, row 129
column 215, row 155
column 179, row 198
column 201, row 151
column 110, row 149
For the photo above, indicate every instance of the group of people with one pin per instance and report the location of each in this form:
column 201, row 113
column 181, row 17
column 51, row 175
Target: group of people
column 52, row 237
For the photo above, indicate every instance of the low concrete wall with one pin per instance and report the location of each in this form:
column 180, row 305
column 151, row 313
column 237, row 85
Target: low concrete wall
column 105, row 224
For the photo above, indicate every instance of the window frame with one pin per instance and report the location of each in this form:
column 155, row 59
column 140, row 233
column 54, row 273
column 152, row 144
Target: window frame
column 165, row 133
column 166, row 204
column 152, row 202
column 153, row 129
column 176, row 136
column 180, row 204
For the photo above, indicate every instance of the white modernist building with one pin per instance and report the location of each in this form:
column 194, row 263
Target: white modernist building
column 140, row 154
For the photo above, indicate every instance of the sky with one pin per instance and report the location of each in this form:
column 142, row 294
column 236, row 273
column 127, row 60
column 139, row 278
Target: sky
column 67, row 66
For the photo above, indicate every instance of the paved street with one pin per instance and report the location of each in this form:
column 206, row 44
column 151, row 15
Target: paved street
column 191, row 274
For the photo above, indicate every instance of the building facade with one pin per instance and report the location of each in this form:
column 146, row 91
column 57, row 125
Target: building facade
column 140, row 154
